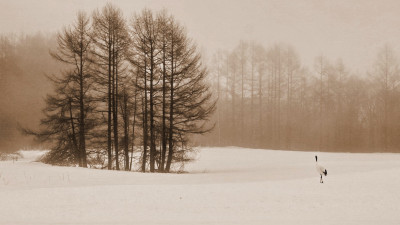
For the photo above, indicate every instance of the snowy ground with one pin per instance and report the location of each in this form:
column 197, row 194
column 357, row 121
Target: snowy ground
column 225, row 186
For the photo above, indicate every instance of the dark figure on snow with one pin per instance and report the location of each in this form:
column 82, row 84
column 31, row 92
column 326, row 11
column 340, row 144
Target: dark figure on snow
column 320, row 169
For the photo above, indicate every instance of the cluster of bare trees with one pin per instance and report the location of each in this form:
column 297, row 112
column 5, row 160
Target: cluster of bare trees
column 131, row 90
column 268, row 99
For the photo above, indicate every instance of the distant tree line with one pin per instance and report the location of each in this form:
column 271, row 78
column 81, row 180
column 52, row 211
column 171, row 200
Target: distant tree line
column 268, row 99
column 131, row 93
column 24, row 61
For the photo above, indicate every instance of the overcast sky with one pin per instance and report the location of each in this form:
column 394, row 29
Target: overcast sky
column 353, row 30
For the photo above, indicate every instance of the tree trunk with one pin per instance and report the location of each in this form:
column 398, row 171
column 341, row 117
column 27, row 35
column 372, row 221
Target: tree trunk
column 126, row 132
column 145, row 132
column 109, row 107
column 133, row 125
column 82, row 143
column 252, row 99
column 233, row 93
column 171, row 112
column 74, row 142
column 152, row 137
column 219, row 100
column 163, row 136
column 115, row 106
column 279, row 100
column 242, row 96
column 260, row 121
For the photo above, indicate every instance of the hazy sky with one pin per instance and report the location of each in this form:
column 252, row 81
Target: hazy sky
column 353, row 30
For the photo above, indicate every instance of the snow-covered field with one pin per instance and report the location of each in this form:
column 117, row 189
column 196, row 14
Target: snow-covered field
column 225, row 186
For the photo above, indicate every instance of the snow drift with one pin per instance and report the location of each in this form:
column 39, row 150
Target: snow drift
column 224, row 186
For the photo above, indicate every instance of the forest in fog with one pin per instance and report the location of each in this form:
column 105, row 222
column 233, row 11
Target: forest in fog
column 24, row 63
column 268, row 99
column 102, row 89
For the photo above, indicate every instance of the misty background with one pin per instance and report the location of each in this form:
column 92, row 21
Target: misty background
column 353, row 31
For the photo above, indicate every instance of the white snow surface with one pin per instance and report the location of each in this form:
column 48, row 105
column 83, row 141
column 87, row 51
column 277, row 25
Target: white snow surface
column 224, row 186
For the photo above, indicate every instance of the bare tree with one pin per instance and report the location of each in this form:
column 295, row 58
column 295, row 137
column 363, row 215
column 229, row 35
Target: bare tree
column 74, row 49
column 110, row 36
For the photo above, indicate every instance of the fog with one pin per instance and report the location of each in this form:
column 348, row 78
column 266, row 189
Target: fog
column 352, row 30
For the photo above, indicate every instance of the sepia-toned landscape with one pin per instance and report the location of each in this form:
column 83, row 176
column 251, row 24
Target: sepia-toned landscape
column 199, row 112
